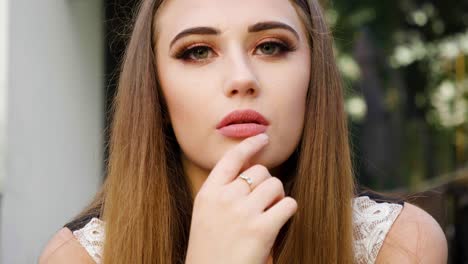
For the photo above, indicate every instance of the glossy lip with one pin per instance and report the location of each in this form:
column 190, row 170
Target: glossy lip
column 242, row 123
column 242, row 117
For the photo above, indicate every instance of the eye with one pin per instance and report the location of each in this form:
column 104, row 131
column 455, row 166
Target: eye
column 194, row 53
column 274, row 48
column 202, row 52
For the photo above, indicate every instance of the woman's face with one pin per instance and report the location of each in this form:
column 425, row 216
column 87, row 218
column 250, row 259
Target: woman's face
column 247, row 55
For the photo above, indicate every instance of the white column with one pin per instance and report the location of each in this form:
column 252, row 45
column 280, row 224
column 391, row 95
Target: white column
column 3, row 88
column 55, row 120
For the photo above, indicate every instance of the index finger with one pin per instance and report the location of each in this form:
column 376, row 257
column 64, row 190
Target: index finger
column 228, row 167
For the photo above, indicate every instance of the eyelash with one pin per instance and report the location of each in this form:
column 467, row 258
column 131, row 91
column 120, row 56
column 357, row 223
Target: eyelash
column 184, row 53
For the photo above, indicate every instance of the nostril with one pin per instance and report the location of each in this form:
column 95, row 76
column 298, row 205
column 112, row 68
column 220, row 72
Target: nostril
column 234, row 92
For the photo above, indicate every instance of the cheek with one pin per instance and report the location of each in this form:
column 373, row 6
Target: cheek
column 290, row 85
column 190, row 98
column 290, row 111
column 289, row 103
column 184, row 96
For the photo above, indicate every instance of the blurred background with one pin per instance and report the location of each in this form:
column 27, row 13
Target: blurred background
column 405, row 70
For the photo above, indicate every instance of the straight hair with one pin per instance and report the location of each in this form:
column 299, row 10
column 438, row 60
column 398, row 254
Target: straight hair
column 146, row 202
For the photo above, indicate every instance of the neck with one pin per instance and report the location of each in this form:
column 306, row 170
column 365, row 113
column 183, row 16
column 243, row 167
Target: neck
column 196, row 175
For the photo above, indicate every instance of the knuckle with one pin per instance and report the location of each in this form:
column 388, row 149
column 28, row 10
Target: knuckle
column 261, row 169
column 276, row 183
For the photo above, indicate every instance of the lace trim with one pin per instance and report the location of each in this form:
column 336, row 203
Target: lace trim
column 371, row 221
column 91, row 237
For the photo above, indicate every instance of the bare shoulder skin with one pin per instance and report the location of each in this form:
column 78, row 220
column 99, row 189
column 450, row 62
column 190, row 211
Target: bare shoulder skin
column 64, row 248
column 415, row 237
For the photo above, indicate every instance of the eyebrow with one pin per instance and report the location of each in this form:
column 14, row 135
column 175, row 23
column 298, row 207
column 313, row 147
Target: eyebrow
column 260, row 26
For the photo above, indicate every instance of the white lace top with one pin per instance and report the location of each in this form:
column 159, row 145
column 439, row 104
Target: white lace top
column 371, row 221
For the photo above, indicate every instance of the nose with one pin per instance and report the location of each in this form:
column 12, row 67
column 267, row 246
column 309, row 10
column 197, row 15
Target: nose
column 241, row 79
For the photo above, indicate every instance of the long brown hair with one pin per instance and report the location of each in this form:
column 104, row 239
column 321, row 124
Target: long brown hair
column 146, row 201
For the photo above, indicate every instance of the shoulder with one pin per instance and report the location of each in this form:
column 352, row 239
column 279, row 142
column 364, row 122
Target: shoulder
column 64, row 248
column 415, row 237
column 372, row 220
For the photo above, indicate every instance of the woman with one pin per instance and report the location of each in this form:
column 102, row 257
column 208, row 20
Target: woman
column 229, row 145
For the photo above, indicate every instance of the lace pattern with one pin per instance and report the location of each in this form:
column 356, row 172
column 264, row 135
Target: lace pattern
column 371, row 223
column 91, row 237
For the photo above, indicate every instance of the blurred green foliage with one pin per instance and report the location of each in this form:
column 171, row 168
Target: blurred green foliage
column 405, row 68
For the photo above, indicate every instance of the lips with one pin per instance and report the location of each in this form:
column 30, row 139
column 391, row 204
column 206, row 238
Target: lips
column 242, row 123
column 242, row 117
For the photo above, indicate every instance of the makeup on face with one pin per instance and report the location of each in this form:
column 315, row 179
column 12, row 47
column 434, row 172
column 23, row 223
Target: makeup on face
column 230, row 70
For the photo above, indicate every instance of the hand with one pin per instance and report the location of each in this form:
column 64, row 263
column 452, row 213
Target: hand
column 231, row 223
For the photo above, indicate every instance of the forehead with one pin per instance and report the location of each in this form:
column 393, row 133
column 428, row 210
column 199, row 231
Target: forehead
column 177, row 15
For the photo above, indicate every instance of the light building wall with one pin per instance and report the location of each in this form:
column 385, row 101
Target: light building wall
column 54, row 102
